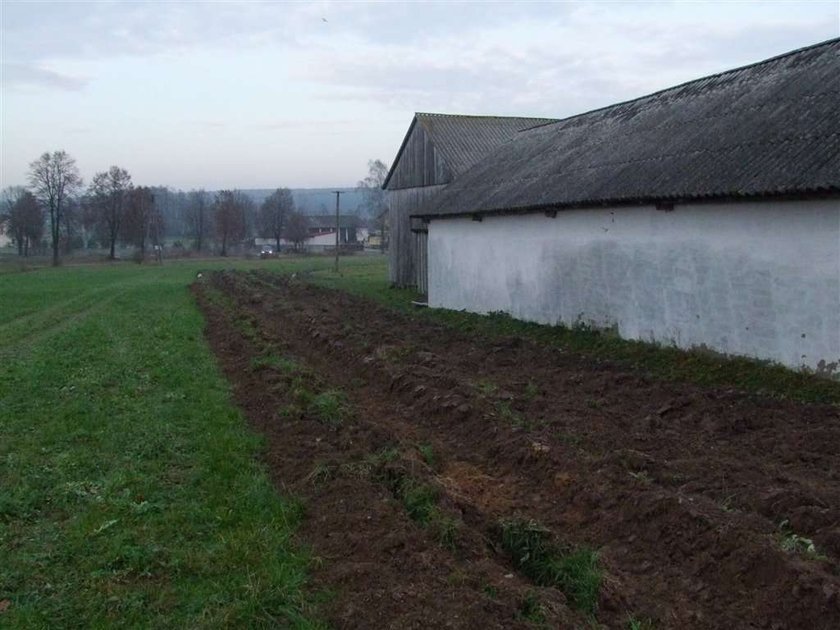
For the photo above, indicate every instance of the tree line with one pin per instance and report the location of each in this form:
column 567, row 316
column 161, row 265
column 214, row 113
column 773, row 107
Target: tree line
column 57, row 211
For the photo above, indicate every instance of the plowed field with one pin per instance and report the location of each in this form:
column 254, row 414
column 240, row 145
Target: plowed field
column 417, row 450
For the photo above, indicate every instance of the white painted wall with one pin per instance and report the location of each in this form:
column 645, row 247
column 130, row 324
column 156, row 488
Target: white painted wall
column 757, row 279
column 320, row 241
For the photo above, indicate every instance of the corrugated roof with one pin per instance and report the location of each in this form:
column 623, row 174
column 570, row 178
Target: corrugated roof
column 771, row 128
column 464, row 140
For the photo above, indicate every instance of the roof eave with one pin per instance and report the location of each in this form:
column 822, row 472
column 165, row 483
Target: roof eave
column 815, row 193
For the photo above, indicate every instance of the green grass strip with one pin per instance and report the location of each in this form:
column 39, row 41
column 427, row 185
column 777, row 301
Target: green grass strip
column 130, row 490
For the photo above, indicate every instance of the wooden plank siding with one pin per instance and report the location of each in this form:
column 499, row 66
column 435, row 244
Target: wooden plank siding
column 420, row 163
column 403, row 250
column 420, row 174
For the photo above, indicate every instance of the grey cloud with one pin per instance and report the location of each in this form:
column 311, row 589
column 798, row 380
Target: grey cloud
column 25, row 74
column 104, row 29
column 96, row 30
column 412, row 22
column 557, row 80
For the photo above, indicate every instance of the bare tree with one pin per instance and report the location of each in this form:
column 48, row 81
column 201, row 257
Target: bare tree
column 199, row 217
column 11, row 219
column 297, row 228
column 54, row 179
column 229, row 216
column 371, row 188
column 87, row 222
column 24, row 218
column 167, row 205
column 249, row 211
column 375, row 202
column 109, row 192
column 72, row 220
column 274, row 212
column 143, row 219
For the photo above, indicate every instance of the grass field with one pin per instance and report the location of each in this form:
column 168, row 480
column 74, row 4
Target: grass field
column 130, row 487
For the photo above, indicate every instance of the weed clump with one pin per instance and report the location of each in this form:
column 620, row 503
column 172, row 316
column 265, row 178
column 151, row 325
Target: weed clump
column 639, row 624
column 530, row 609
column 272, row 361
column 427, row 452
column 420, row 501
column 794, row 543
column 372, row 463
column 573, row 571
column 301, row 398
column 445, row 530
column 247, row 326
column 322, row 473
column 491, row 591
column 486, row 387
column 509, row 415
column 330, row 407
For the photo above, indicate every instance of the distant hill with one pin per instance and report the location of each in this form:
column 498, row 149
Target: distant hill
column 317, row 200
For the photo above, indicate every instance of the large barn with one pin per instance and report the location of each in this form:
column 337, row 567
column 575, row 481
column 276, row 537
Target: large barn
column 704, row 215
column 436, row 149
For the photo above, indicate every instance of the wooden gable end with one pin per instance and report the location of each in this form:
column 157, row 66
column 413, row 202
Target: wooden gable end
column 419, row 162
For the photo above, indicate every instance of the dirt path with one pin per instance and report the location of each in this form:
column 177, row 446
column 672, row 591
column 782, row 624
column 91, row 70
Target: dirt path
column 692, row 497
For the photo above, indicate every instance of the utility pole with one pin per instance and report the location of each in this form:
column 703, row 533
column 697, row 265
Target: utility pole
column 156, row 222
column 337, row 227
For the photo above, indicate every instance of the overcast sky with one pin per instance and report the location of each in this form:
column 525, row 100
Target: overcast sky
column 266, row 94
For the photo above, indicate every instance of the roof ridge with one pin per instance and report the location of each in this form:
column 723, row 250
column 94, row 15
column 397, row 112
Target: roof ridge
column 444, row 115
column 827, row 42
